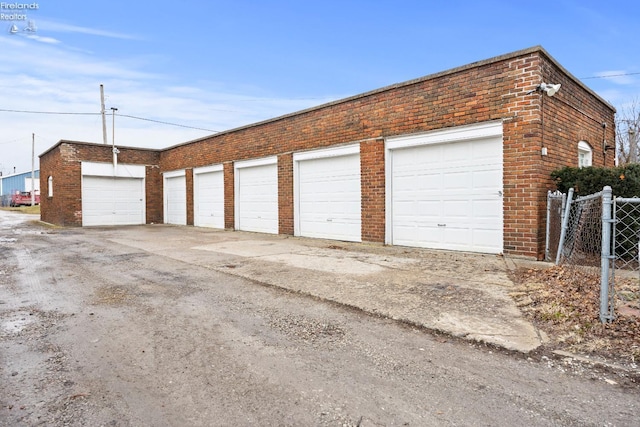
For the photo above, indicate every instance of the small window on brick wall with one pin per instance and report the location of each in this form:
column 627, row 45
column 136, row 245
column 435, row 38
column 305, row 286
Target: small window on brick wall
column 50, row 186
column 585, row 154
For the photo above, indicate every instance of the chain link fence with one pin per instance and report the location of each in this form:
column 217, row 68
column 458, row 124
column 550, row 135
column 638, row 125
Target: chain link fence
column 581, row 235
column 626, row 233
column 625, row 283
column 602, row 231
column 586, row 242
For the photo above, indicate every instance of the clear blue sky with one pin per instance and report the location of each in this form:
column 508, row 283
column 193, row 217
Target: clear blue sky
column 217, row 65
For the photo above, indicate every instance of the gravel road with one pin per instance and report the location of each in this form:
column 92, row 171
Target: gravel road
column 96, row 333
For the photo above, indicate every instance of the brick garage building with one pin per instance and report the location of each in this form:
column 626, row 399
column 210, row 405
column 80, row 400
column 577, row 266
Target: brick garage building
column 455, row 160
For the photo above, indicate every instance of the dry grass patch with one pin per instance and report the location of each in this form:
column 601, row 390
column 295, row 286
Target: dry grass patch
column 564, row 302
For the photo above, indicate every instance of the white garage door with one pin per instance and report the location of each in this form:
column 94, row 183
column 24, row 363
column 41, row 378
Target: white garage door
column 328, row 196
column 256, row 195
column 208, row 195
column 112, row 196
column 112, row 201
column 175, row 198
column 447, row 193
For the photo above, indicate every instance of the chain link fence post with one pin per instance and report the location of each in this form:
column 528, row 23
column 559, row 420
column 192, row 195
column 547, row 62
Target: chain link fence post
column 606, row 309
column 565, row 223
column 547, row 249
column 556, row 202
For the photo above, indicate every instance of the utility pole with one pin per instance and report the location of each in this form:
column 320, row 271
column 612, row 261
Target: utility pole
column 33, row 169
column 104, row 119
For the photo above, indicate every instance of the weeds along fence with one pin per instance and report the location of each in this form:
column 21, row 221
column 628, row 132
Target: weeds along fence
column 600, row 232
column 586, row 240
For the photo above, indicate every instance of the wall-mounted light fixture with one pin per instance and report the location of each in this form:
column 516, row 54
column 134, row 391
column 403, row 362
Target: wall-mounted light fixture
column 548, row 88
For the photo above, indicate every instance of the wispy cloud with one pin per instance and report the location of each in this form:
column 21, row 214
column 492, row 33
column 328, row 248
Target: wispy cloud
column 51, row 60
column 48, row 77
column 52, row 26
column 48, row 40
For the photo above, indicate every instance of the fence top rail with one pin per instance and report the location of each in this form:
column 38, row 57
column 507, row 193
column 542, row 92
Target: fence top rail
column 589, row 197
column 627, row 199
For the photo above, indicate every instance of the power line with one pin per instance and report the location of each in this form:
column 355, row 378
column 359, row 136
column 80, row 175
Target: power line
column 24, row 139
column 10, row 142
column 215, row 131
column 48, row 112
column 610, row 75
column 165, row 123
column 97, row 114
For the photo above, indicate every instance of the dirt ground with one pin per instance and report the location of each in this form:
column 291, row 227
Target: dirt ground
column 564, row 302
column 93, row 332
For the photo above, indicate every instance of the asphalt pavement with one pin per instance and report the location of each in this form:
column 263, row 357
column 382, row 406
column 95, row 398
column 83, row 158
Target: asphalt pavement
column 465, row 295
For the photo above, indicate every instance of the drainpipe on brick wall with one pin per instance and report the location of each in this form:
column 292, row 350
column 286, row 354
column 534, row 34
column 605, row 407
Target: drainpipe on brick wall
column 113, row 139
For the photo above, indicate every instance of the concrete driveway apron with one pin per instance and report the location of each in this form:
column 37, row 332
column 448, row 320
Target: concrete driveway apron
column 461, row 294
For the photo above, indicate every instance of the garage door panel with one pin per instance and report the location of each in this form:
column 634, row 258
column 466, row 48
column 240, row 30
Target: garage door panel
column 484, row 239
column 175, row 200
column 486, row 152
column 457, row 181
column 314, row 209
column 454, row 154
column 329, row 197
column 487, row 180
column 424, row 210
column 209, row 199
column 257, row 205
column 456, row 210
column 112, row 201
column 258, row 190
column 456, row 236
column 448, row 196
column 258, row 224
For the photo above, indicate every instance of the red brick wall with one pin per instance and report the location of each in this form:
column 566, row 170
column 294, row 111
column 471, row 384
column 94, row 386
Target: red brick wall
column 229, row 196
column 63, row 163
column 285, row 194
column 188, row 178
column 482, row 92
column 496, row 89
column 521, row 142
column 154, row 193
column 57, row 209
column 372, row 183
column 567, row 118
column 533, row 121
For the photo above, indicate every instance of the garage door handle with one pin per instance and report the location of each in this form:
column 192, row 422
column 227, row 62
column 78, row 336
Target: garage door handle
column 442, row 225
column 500, row 193
column 329, row 219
